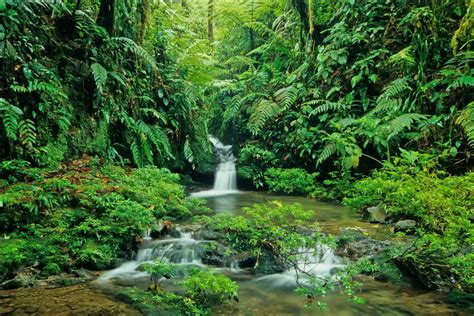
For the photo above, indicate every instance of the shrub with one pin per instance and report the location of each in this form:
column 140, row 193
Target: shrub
column 207, row 288
column 290, row 181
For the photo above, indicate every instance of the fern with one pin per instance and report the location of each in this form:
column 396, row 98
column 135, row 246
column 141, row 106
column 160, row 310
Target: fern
column 27, row 132
column 328, row 151
column 188, row 151
column 395, row 89
column 136, row 153
column 404, row 58
column 464, row 81
column 263, row 111
column 161, row 142
column 100, row 76
column 402, row 122
column 466, row 121
column 326, row 107
column 129, row 45
column 287, row 97
column 10, row 118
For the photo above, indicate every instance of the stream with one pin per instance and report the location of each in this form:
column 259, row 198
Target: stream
column 259, row 294
column 273, row 294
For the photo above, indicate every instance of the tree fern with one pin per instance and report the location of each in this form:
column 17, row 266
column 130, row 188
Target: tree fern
column 100, row 76
column 466, row 121
column 263, row 111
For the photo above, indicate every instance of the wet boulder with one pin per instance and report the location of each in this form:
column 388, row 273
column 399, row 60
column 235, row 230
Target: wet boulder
column 245, row 260
column 354, row 244
column 214, row 254
column 405, row 226
column 269, row 263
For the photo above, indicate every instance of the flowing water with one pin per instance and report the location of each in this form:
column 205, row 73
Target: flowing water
column 225, row 181
column 273, row 294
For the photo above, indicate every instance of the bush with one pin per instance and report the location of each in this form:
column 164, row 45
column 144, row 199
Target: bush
column 290, row 181
column 207, row 288
column 441, row 255
column 86, row 215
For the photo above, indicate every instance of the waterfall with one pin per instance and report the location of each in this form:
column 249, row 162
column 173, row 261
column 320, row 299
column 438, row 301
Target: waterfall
column 225, row 181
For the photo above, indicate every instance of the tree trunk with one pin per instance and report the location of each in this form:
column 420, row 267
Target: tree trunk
column 107, row 15
column 210, row 20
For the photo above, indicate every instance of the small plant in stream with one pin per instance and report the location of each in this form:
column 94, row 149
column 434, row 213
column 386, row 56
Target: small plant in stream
column 284, row 237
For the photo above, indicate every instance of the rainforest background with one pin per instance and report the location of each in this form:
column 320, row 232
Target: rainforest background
column 368, row 103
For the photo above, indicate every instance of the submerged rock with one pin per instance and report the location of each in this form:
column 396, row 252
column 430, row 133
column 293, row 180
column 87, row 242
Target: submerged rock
column 269, row 263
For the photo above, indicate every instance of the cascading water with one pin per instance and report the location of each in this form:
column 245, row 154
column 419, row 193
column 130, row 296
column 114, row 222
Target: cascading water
column 225, row 181
column 184, row 250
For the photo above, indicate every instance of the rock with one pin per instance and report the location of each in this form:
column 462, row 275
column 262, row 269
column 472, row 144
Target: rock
column 208, row 234
column 18, row 281
column 375, row 214
column 83, row 273
column 245, row 260
column 405, row 226
column 5, row 310
column 268, row 263
column 352, row 243
column 30, row 309
column 214, row 254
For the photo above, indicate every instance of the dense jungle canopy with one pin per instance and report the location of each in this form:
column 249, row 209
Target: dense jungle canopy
column 368, row 103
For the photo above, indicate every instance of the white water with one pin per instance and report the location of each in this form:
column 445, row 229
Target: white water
column 187, row 251
column 183, row 251
column 320, row 263
column 225, row 181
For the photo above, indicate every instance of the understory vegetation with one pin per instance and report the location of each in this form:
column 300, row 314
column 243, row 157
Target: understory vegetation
column 106, row 105
column 86, row 214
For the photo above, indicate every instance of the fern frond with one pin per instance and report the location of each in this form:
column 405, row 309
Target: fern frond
column 395, row 89
column 188, row 151
column 136, row 154
column 466, row 121
column 100, row 76
column 129, row 45
column 327, row 106
column 404, row 58
column 161, row 142
column 464, row 81
column 402, row 122
column 10, row 118
column 286, row 97
column 27, row 131
column 328, row 151
column 263, row 111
